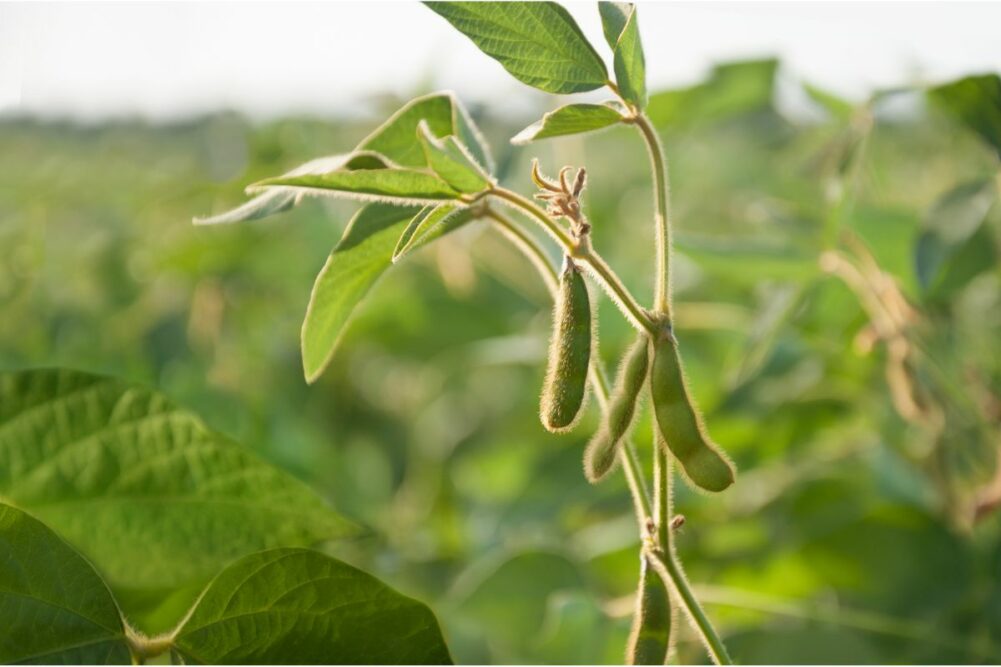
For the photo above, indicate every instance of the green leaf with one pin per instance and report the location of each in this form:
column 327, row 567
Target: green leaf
column 395, row 141
column 430, row 224
column 838, row 108
column 356, row 263
column 299, row 606
column 142, row 488
column 952, row 220
column 569, row 119
column 976, row 102
column 539, row 43
column 733, row 89
column 54, row 608
column 452, row 162
column 619, row 21
column 390, row 185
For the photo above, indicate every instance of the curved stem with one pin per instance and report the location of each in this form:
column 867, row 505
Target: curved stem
column 603, row 273
column 627, row 455
column 666, row 562
column 662, row 213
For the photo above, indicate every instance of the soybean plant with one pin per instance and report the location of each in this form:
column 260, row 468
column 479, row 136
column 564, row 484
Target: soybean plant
column 427, row 171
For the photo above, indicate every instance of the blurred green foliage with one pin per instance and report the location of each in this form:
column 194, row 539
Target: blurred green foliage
column 848, row 536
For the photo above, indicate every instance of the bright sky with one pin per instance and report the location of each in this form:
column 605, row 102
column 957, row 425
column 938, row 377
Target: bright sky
column 164, row 60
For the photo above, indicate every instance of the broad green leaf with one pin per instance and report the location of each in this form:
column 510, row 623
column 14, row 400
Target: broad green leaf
column 619, row 21
column 569, row 119
column 430, row 224
column 539, row 43
column 356, row 263
column 54, row 608
column 953, row 219
column 396, row 186
column 733, row 89
column 452, row 162
column 142, row 488
column 976, row 102
column 298, row 606
column 395, row 140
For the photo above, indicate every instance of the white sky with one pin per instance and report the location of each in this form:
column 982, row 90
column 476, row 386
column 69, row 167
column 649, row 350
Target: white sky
column 164, row 60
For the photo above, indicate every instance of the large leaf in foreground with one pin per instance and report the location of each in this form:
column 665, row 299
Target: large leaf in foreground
column 54, row 608
column 399, row 186
column 569, row 119
column 141, row 487
column 539, row 43
column 298, row 606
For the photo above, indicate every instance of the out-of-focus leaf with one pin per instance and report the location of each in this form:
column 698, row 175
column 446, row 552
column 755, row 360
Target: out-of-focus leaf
column 733, row 89
column 452, row 162
column 620, row 24
column 430, row 224
column 748, row 260
column 976, row 102
column 149, row 494
column 303, row 607
column 838, row 107
column 952, row 220
column 569, row 119
column 54, row 608
column 539, row 43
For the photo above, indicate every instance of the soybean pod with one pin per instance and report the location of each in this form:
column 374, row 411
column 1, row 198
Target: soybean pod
column 569, row 352
column 680, row 424
column 604, row 446
column 650, row 638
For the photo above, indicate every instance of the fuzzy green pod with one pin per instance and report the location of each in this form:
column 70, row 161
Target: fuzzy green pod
column 569, row 352
column 650, row 638
column 604, row 446
column 679, row 423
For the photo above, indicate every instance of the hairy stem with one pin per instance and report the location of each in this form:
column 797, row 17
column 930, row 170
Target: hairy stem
column 604, row 275
column 627, row 455
column 666, row 562
column 664, row 558
column 662, row 214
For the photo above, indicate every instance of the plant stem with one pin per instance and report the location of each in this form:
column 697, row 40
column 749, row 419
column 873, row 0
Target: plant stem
column 662, row 214
column 668, row 567
column 627, row 455
column 599, row 268
column 664, row 558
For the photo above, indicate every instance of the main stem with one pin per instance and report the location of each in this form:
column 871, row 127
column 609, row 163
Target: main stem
column 627, row 454
column 663, row 557
column 662, row 214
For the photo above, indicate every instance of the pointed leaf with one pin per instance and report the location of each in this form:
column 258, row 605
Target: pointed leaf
column 569, row 119
column 361, row 257
column 395, row 186
column 295, row 605
column 976, row 102
column 54, row 608
column 619, row 21
column 150, row 495
column 539, row 43
column 838, row 108
column 452, row 162
column 395, row 140
column 430, row 224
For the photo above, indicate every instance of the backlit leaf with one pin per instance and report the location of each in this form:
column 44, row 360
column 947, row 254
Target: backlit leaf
column 430, row 224
column 619, row 21
column 569, row 119
column 452, row 162
column 976, row 102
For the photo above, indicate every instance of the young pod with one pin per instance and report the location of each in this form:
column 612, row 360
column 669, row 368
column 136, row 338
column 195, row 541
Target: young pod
column 604, row 446
column 569, row 352
column 650, row 638
column 680, row 424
